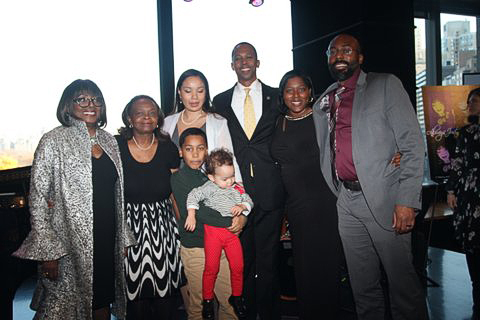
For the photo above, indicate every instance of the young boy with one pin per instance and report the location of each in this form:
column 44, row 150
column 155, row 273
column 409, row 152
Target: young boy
column 193, row 149
column 222, row 194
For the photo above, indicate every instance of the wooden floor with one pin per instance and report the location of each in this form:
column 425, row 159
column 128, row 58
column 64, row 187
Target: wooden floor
column 451, row 300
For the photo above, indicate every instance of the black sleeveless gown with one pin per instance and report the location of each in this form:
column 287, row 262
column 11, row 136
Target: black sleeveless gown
column 104, row 177
column 312, row 216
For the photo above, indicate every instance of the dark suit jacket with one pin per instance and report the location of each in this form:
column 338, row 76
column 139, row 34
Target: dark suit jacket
column 265, row 187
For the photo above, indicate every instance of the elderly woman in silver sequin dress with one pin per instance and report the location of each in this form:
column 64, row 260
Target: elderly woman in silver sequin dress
column 78, row 234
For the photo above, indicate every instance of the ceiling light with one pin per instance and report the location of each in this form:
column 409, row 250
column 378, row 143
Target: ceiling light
column 256, row 3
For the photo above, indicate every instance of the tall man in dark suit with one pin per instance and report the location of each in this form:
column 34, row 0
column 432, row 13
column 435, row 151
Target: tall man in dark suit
column 251, row 110
column 361, row 121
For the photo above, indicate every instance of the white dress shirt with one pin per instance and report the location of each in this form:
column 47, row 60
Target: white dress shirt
column 238, row 100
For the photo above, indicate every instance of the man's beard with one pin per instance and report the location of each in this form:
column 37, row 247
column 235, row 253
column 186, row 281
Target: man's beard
column 344, row 74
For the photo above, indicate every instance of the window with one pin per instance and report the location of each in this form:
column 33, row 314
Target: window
column 204, row 41
column 459, row 47
column 421, row 79
column 47, row 45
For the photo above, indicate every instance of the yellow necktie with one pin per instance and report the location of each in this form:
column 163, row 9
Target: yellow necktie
column 249, row 114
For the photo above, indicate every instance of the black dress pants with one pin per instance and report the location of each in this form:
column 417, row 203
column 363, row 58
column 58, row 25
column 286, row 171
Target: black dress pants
column 261, row 244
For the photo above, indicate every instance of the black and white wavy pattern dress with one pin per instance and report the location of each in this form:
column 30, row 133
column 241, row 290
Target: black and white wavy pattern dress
column 153, row 267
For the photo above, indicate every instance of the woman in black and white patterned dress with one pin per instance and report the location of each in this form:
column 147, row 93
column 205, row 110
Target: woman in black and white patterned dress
column 153, row 268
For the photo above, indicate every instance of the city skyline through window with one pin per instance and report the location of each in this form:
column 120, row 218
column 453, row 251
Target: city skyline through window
column 459, row 47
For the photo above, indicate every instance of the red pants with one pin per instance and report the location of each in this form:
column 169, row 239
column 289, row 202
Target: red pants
column 216, row 239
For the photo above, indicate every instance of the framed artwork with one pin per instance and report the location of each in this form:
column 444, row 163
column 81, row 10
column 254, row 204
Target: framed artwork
column 445, row 109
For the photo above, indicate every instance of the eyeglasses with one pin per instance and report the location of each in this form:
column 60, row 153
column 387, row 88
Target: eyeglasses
column 84, row 102
column 345, row 51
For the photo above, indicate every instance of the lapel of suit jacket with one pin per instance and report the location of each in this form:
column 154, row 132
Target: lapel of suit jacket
column 266, row 106
column 331, row 88
column 229, row 113
column 323, row 135
column 358, row 102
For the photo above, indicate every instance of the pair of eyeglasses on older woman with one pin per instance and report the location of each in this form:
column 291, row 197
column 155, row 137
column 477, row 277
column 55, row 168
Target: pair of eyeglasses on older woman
column 84, row 102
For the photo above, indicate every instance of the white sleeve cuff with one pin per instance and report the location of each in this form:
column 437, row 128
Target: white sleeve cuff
column 249, row 208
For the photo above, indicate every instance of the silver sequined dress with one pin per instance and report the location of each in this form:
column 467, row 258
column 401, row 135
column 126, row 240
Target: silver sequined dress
column 62, row 173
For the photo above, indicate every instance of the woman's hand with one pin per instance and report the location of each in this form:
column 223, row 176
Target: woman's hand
column 238, row 223
column 396, row 159
column 50, row 269
column 451, row 200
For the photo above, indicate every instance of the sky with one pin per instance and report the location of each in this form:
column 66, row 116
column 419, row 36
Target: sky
column 48, row 44
column 207, row 42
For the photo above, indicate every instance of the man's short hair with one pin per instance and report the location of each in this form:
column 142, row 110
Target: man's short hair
column 191, row 132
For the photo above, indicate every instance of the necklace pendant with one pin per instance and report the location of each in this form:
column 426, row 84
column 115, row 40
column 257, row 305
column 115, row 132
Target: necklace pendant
column 93, row 140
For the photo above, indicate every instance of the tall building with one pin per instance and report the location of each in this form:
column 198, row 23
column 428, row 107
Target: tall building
column 459, row 51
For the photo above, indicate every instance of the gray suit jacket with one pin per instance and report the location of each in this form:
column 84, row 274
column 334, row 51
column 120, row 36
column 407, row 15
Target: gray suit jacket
column 383, row 122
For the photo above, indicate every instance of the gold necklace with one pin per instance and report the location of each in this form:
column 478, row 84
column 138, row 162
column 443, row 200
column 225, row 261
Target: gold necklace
column 298, row 118
column 141, row 148
column 189, row 123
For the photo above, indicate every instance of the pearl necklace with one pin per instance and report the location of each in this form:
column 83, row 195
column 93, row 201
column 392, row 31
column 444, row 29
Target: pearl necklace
column 144, row 149
column 189, row 123
column 299, row 118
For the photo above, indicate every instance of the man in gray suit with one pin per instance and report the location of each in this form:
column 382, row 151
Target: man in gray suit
column 361, row 121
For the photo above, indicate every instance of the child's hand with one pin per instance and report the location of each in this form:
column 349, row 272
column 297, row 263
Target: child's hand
column 238, row 209
column 190, row 222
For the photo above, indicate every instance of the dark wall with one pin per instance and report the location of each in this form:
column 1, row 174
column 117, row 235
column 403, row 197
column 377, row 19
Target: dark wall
column 386, row 33
column 462, row 7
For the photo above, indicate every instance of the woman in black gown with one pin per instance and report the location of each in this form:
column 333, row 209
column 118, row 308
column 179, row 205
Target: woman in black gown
column 311, row 206
column 153, row 268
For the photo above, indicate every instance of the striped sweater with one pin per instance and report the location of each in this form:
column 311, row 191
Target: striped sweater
column 221, row 200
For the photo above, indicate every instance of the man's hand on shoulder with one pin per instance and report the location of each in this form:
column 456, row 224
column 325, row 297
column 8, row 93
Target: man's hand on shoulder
column 403, row 219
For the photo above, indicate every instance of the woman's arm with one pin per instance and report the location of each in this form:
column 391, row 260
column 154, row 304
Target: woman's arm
column 42, row 243
column 175, row 207
column 457, row 166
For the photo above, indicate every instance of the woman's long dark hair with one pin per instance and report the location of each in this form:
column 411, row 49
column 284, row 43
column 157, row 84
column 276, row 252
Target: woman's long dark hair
column 127, row 131
column 207, row 105
column 472, row 118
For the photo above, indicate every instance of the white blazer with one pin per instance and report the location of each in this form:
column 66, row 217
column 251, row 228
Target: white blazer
column 217, row 132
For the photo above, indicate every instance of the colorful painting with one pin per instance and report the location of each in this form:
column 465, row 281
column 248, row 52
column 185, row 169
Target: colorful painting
column 445, row 109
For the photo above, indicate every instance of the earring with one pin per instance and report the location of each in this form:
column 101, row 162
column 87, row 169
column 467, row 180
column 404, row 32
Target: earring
column 311, row 99
column 130, row 125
